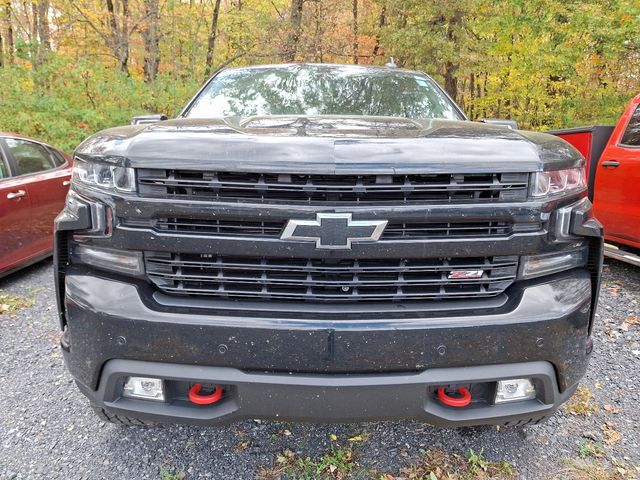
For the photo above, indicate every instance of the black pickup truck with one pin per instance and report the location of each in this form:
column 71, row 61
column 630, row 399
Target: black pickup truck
column 326, row 243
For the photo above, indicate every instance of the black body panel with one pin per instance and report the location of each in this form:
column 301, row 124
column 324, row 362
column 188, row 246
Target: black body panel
column 439, row 146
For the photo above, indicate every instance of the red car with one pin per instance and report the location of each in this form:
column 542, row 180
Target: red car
column 617, row 192
column 613, row 159
column 34, row 179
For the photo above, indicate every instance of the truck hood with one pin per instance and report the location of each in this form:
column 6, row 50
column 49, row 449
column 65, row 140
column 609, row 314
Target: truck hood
column 328, row 144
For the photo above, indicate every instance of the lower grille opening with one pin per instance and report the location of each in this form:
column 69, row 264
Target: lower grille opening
column 321, row 280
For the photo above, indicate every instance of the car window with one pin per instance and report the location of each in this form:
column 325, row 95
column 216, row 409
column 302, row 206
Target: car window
column 4, row 170
column 632, row 133
column 30, row 157
column 57, row 157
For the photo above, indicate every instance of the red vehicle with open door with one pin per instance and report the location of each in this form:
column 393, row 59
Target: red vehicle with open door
column 34, row 180
column 613, row 160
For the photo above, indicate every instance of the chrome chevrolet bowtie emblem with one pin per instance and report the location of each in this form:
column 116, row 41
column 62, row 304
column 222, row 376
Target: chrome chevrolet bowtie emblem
column 334, row 230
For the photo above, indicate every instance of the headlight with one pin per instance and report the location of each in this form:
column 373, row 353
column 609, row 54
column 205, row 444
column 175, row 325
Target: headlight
column 554, row 182
column 103, row 175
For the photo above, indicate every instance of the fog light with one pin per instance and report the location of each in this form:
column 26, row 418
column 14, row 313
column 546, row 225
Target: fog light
column 515, row 390
column 144, row 387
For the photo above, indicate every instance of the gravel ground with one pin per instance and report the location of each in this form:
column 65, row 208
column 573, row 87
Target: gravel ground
column 47, row 429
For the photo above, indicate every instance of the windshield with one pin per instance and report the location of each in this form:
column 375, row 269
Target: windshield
column 321, row 90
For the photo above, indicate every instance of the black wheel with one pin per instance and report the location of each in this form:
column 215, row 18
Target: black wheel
column 110, row 417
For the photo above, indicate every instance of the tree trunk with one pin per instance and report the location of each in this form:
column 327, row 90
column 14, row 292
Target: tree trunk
column 33, row 36
column 124, row 38
column 43, row 24
column 5, row 17
column 44, row 42
column 213, row 34
column 113, row 25
column 450, row 79
column 5, row 25
column 355, row 31
column 381, row 23
column 295, row 32
column 151, row 40
column 472, row 94
column 119, row 33
column 451, row 67
column 318, row 36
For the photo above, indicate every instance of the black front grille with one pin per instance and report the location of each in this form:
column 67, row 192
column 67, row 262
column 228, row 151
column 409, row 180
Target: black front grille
column 395, row 230
column 332, row 189
column 217, row 227
column 318, row 280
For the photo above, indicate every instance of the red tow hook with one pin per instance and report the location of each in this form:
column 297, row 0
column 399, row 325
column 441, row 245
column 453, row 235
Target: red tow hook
column 195, row 397
column 458, row 402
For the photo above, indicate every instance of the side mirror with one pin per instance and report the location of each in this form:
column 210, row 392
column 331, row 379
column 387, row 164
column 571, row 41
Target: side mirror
column 147, row 119
column 512, row 124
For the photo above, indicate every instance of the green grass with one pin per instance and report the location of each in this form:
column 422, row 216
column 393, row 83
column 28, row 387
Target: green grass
column 338, row 463
column 589, row 448
column 167, row 475
column 437, row 464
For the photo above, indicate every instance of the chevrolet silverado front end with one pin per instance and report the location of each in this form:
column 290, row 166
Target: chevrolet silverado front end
column 326, row 243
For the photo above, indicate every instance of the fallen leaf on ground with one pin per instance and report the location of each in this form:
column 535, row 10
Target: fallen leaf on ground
column 285, row 456
column 241, row 446
column 609, row 430
column 610, row 408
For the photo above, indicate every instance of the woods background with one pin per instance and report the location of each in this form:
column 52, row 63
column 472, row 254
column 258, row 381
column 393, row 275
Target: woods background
column 69, row 68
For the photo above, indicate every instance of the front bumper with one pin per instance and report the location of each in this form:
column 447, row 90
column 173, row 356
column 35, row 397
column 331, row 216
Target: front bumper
column 326, row 369
column 328, row 398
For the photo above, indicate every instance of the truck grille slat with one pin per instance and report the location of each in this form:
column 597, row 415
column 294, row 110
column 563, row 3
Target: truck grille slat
column 352, row 282
column 331, row 189
column 396, row 230
column 219, row 227
column 324, row 280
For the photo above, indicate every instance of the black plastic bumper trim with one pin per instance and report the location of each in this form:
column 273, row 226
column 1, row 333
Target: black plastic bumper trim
column 329, row 398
